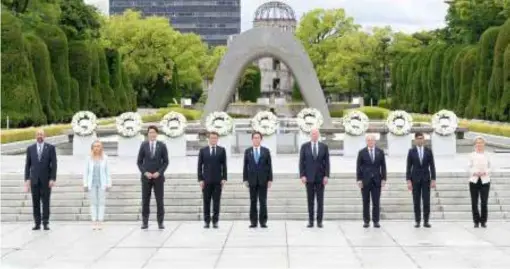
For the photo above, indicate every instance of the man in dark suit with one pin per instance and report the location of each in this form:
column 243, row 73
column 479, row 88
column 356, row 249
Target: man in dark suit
column 258, row 177
column 314, row 173
column 40, row 177
column 371, row 176
column 212, row 176
column 421, row 176
column 152, row 163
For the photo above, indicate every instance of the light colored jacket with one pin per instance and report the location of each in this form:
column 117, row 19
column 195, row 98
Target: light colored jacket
column 479, row 163
column 104, row 173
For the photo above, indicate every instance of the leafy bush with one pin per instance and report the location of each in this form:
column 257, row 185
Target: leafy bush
column 385, row 103
column 372, row 112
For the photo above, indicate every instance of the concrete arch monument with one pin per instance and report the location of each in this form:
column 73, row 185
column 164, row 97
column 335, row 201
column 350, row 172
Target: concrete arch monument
column 265, row 42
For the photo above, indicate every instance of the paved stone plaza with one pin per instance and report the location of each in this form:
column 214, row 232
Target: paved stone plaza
column 284, row 245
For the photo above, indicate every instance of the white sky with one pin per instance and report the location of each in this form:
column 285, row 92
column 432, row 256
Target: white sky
column 402, row 15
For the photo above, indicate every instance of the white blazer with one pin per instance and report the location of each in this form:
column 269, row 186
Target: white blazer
column 479, row 163
column 104, row 173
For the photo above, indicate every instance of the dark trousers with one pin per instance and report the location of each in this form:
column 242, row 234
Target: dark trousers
column 315, row 191
column 259, row 193
column 158, row 186
column 421, row 191
column 41, row 192
column 482, row 190
column 211, row 191
column 373, row 191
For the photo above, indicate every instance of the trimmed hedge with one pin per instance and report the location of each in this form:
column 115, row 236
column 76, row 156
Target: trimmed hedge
column 372, row 112
column 115, row 69
column 80, row 63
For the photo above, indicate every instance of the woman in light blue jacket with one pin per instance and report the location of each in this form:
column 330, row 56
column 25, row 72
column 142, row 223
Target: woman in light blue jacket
column 97, row 180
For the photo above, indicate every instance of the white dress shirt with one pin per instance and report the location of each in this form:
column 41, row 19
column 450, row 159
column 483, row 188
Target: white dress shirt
column 479, row 163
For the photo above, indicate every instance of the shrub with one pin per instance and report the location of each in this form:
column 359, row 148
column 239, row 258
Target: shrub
column 81, row 68
column 372, row 112
column 385, row 103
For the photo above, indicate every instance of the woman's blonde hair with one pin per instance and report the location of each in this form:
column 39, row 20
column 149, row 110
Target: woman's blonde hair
column 92, row 149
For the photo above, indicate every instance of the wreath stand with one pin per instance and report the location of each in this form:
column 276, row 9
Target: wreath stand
column 129, row 146
column 226, row 142
column 176, row 146
column 270, row 143
column 444, row 145
column 82, row 144
column 398, row 145
column 302, row 138
column 353, row 144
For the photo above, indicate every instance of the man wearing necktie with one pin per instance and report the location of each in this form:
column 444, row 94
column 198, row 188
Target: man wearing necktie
column 212, row 176
column 420, row 176
column 258, row 177
column 371, row 176
column 152, row 163
column 314, row 172
column 40, row 177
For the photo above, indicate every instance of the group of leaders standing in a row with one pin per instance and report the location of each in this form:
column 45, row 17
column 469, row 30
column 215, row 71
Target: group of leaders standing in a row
column 314, row 171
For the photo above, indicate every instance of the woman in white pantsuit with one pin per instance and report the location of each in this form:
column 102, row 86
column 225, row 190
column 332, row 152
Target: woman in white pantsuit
column 97, row 180
column 479, row 181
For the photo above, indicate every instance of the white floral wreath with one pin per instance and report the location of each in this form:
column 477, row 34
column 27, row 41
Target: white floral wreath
column 84, row 123
column 219, row 122
column 355, row 123
column 309, row 119
column 399, row 122
column 265, row 122
column 173, row 124
column 445, row 122
column 129, row 124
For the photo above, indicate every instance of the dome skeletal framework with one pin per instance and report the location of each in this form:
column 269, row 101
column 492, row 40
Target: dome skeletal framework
column 274, row 10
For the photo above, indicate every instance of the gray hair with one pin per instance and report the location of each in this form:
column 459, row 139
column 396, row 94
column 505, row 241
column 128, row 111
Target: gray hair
column 479, row 138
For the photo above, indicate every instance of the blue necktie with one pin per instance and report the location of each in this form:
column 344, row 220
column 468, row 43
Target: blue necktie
column 257, row 156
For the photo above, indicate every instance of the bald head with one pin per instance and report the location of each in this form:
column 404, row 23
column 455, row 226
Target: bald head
column 314, row 135
column 39, row 135
column 370, row 138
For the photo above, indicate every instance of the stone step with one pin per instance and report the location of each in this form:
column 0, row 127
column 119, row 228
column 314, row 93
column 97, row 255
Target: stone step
column 245, row 216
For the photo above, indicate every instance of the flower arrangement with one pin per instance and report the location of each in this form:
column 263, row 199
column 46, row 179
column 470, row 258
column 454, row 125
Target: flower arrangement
column 219, row 122
column 445, row 122
column 173, row 124
column 129, row 124
column 309, row 119
column 399, row 122
column 265, row 122
column 355, row 123
column 84, row 123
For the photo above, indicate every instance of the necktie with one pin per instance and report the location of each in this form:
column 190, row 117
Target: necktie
column 152, row 149
column 39, row 151
column 257, row 156
column 372, row 156
column 314, row 151
column 420, row 151
column 213, row 151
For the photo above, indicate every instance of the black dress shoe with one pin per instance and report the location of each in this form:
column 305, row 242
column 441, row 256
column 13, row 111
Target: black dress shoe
column 36, row 227
column 253, row 226
column 263, row 226
column 145, row 226
column 476, row 224
column 417, row 225
column 310, row 225
column 161, row 226
column 377, row 225
column 427, row 225
column 206, row 226
column 46, row 227
column 215, row 225
column 319, row 224
column 484, row 225
column 366, row 225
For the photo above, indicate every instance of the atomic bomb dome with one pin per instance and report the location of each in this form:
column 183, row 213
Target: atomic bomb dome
column 274, row 10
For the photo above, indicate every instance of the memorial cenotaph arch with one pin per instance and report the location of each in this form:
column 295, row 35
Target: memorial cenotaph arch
column 265, row 42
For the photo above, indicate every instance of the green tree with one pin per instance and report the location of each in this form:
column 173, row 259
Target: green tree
column 484, row 72
column 249, row 84
column 96, row 103
column 434, row 80
column 504, row 109
column 115, row 69
column 80, row 63
column 467, row 76
column 79, row 20
column 496, row 83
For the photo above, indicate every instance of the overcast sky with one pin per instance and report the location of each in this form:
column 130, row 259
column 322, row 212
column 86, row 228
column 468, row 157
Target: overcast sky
column 402, row 15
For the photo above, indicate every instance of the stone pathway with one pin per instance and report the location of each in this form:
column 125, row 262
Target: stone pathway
column 286, row 244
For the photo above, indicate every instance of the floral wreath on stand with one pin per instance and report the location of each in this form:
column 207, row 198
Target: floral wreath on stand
column 355, row 123
column 219, row 122
column 129, row 124
column 173, row 124
column 399, row 122
column 445, row 122
column 265, row 122
column 84, row 123
column 309, row 119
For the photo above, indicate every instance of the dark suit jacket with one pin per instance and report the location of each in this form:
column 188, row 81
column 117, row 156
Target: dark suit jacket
column 417, row 171
column 261, row 173
column 158, row 163
column 368, row 171
column 212, row 169
column 314, row 169
column 44, row 170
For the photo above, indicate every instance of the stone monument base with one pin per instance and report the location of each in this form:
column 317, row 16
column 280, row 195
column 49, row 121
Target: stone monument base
column 176, row 146
column 444, row 145
column 129, row 146
column 226, row 142
column 270, row 143
column 82, row 145
column 302, row 138
column 353, row 144
column 398, row 146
